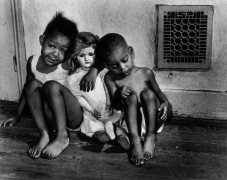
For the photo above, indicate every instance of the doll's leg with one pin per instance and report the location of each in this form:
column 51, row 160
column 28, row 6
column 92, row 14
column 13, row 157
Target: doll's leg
column 131, row 119
column 35, row 100
column 66, row 111
column 148, row 102
column 102, row 136
column 110, row 130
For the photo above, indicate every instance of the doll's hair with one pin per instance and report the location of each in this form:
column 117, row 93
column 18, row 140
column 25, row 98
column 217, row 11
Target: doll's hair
column 83, row 40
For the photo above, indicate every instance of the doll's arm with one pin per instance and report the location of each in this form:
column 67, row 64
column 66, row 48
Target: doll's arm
column 85, row 105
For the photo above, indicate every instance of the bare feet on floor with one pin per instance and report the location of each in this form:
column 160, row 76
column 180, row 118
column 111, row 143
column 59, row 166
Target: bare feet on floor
column 149, row 146
column 122, row 138
column 136, row 152
column 54, row 148
column 123, row 141
column 36, row 150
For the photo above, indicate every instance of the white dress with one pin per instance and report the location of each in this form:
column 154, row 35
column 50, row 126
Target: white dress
column 96, row 98
column 60, row 75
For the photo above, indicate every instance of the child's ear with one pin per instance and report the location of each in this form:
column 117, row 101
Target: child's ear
column 131, row 50
column 41, row 40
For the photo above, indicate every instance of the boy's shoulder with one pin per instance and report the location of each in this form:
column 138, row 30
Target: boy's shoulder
column 144, row 70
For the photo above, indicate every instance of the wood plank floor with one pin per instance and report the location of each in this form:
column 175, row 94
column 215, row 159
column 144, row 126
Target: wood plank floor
column 186, row 149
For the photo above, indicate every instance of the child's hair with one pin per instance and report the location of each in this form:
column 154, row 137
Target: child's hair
column 62, row 25
column 83, row 40
column 108, row 44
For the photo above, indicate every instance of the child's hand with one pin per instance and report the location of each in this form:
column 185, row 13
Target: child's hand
column 10, row 121
column 126, row 91
column 87, row 83
column 96, row 114
column 164, row 111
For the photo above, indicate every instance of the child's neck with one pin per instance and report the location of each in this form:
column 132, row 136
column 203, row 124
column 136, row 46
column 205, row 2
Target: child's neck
column 44, row 68
column 85, row 68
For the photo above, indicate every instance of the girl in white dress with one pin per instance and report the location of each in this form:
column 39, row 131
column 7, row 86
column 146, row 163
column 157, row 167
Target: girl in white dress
column 97, row 116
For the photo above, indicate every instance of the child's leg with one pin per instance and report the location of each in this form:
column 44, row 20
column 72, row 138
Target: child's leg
column 122, row 137
column 66, row 111
column 34, row 99
column 131, row 104
column 148, row 102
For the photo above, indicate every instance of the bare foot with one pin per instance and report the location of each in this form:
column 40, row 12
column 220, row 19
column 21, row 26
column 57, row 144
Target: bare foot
column 149, row 146
column 35, row 151
column 53, row 149
column 122, row 138
column 137, row 152
column 123, row 141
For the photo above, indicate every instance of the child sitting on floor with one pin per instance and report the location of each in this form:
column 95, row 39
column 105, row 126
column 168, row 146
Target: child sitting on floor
column 131, row 89
column 44, row 70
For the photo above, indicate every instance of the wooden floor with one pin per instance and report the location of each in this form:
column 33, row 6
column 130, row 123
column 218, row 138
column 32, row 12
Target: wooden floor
column 186, row 149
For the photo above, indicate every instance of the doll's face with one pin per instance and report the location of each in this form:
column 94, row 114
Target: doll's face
column 86, row 58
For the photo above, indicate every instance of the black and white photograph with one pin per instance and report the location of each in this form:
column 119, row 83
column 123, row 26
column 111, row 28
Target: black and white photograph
column 113, row 89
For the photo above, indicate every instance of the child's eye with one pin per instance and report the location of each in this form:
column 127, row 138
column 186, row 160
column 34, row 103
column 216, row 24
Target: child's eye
column 125, row 60
column 114, row 67
column 51, row 46
column 63, row 51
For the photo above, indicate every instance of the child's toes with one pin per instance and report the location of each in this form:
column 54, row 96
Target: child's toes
column 36, row 155
column 147, row 156
column 137, row 161
column 140, row 162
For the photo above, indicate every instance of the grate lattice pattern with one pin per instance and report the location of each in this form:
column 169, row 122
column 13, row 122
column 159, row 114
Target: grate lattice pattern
column 185, row 36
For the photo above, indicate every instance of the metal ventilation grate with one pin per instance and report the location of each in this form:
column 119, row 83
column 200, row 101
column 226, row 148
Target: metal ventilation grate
column 184, row 37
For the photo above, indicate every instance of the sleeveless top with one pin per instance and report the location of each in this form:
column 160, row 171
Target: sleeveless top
column 60, row 75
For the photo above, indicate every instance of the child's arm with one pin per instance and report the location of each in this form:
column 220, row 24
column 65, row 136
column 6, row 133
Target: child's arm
column 87, row 83
column 114, row 93
column 160, row 95
column 21, row 106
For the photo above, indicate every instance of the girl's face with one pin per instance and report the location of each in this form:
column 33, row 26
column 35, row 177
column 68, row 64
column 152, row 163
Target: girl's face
column 54, row 48
column 86, row 58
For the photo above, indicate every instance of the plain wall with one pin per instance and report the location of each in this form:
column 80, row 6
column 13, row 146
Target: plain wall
column 193, row 94
column 8, row 76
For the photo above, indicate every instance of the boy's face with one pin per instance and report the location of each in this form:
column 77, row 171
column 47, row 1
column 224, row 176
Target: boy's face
column 54, row 48
column 86, row 58
column 120, row 62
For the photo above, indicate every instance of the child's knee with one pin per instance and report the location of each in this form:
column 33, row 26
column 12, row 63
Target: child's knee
column 31, row 85
column 51, row 86
column 147, row 95
column 131, row 99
